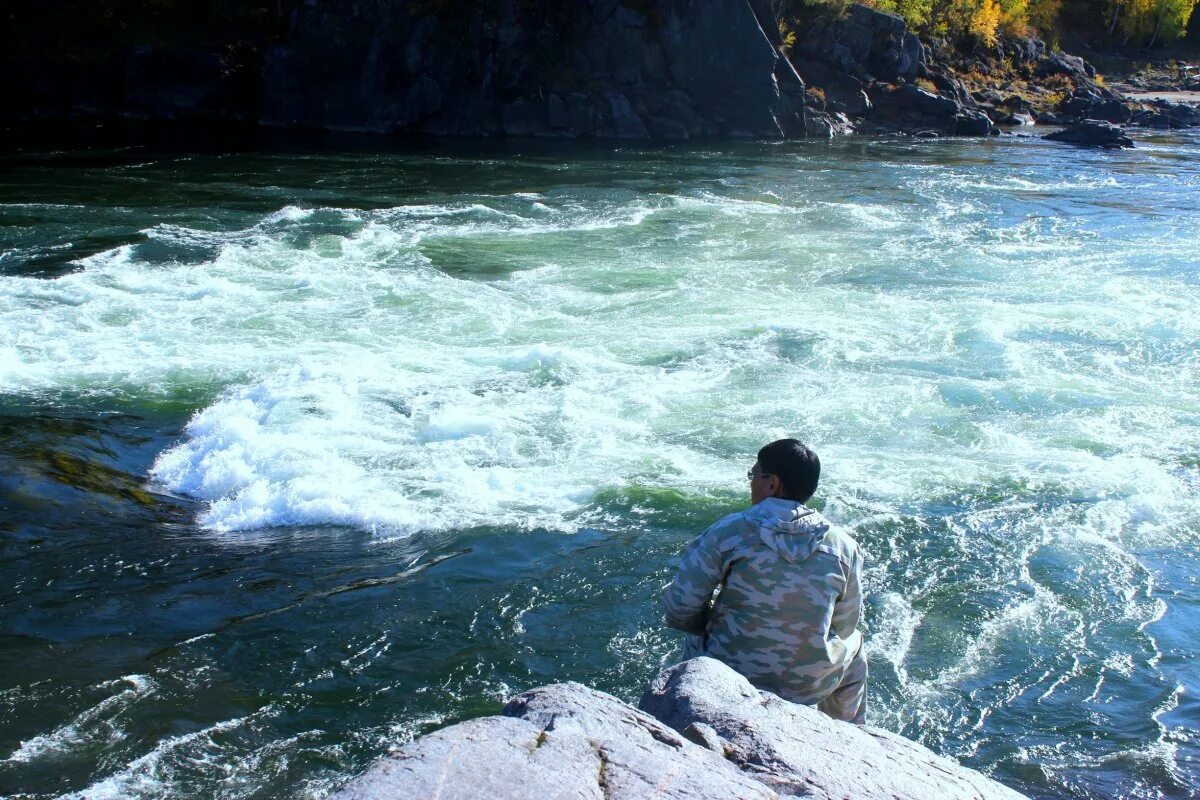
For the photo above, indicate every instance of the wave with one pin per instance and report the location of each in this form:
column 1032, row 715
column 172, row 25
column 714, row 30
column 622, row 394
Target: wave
column 96, row 725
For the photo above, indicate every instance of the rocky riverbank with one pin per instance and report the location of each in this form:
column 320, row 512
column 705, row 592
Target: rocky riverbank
column 701, row 731
column 608, row 69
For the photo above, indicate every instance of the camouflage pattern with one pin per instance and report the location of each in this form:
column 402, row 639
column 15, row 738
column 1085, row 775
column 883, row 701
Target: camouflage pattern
column 789, row 603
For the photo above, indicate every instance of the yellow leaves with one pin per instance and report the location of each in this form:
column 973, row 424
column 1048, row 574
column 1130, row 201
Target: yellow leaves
column 1014, row 17
column 984, row 22
column 787, row 36
column 1144, row 23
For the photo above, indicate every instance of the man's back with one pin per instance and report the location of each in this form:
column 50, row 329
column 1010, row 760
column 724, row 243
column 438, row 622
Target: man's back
column 790, row 600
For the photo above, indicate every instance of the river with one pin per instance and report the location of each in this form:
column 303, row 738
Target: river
column 304, row 452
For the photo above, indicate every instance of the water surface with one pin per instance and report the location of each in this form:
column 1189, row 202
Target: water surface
column 306, row 453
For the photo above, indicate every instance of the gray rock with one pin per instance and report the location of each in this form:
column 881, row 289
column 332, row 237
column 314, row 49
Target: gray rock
column 911, row 98
column 487, row 754
column 1050, row 118
column 1093, row 102
column 1092, row 133
column 842, row 91
column 563, row 741
column 442, row 69
column 1153, row 119
column 1177, row 115
column 724, row 61
column 1073, row 67
column 969, row 122
column 797, row 750
column 716, row 737
column 912, row 57
column 866, row 42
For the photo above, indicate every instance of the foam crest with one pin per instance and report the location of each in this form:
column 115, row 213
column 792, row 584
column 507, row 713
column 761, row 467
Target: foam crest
column 372, row 447
column 892, row 634
column 152, row 774
column 95, row 725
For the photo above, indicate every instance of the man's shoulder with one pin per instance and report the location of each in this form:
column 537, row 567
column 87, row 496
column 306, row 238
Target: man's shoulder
column 839, row 542
column 729, row 523
column 731, row 530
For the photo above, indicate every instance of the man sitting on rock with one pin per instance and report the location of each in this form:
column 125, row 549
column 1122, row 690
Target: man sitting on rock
column 790, row 598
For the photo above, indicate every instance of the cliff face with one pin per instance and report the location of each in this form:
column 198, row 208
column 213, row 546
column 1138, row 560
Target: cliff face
column 611, row 69
column 636, row 69
column 672, row 70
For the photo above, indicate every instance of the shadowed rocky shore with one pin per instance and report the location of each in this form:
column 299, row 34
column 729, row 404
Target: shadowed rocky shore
column 665, row 70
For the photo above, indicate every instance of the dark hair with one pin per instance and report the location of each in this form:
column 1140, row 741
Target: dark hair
column 797, row 467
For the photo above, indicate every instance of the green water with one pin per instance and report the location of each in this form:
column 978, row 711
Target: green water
column 306, row 453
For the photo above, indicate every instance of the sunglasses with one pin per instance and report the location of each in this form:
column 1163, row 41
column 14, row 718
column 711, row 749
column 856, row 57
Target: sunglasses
column 751, row 474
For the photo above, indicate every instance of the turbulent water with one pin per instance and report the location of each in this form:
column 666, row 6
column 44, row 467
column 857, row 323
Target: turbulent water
column 304, row 454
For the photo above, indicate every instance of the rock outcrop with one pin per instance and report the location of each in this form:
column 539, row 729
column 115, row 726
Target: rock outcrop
column 620, row 69
column 657, row 69
column 1164, row 114
column 702, row 732
column 1092, row 133
column 610, row 69
column 865, row 65
column 599, row 68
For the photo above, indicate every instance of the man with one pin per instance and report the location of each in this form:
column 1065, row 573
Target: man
column 790, row 596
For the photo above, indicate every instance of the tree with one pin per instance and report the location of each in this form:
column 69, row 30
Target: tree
column 984, row 21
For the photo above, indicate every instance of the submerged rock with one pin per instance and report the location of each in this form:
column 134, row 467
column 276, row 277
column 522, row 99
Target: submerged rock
column 1092, row 133
column 702, row 732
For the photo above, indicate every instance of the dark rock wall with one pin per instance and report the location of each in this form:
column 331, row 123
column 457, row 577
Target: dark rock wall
column 612, row 69
column 671, row 69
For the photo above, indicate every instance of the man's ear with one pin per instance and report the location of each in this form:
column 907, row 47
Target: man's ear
column 774, row 486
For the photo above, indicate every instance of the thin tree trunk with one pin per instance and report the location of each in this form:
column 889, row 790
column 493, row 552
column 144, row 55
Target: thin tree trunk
column 1157, row 28
column 1112, row 26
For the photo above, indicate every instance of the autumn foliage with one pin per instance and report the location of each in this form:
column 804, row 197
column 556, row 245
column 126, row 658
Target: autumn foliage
column 1138, row 23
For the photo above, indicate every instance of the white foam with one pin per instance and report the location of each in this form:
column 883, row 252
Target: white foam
column 97, row 723
column 892, row 635
column 151, row 774
column 368, row 386
column 369, row 446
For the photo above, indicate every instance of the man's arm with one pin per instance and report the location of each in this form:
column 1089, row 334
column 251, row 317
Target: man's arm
column 847, row 611
column 687, row 596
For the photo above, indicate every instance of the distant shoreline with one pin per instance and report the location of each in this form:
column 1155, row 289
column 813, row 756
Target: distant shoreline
column 1176, row 96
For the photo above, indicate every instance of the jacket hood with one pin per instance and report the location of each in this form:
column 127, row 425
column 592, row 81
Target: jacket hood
column 792, row 530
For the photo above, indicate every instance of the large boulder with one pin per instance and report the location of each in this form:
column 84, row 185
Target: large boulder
column 1096, row 102
column 864, row 43
column 1071, row 66
column 703, row 733
column 1167, row 115
column 1092, row 133
column 909, row 107
column 563, row 741
column 798, row 751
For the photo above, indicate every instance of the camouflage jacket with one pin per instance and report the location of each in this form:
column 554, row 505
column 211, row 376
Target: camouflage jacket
column 790, row 598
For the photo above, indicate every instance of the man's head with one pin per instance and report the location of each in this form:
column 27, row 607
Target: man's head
column 786, row 469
